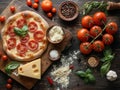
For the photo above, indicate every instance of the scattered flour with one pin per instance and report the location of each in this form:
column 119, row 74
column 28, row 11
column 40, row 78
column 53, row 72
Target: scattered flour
column 61, row 74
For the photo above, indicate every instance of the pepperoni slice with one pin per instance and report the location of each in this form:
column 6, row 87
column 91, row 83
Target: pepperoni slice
column 21, row 22
column 21, row 48
column 11, row 43
column 25, row 39
column 32, row 45
column 10, row 31
column 32, row 26
column 39, row 35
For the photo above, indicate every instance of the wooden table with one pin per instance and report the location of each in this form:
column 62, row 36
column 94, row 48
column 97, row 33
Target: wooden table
column 75, row 82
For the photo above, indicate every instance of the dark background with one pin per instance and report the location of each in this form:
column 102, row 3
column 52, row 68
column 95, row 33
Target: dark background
column 75, row 82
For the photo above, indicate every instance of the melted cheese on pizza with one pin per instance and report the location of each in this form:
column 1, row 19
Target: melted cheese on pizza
column 36, row 36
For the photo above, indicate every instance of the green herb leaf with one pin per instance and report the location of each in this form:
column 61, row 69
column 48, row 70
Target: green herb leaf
column 25, row 28
column 88, row 71
column 95, row 4
column 107, row 58
column 86, row 76
column 81, row 73
column 21, row 32
column 11, row 66
column 89, row 6
column 105, row 68
column 91, row 78
column 89, row 9
column 107, row 51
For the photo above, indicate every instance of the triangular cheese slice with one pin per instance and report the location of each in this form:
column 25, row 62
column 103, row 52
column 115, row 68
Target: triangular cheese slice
column 31, row 69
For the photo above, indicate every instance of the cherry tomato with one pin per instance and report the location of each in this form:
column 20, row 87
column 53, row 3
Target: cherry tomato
column 2, row 18
column 99, row 18
column 4, row 57
column 36, row 1
column 83, row 35
column 112, row 28
column 98, row 46
column 107, row 39
column 87, row 21
column 86, row 48
column 49, row 15
column 95, row 30
column 8, row 86
column 53, row 10
column 35, row 5
column 46, row 5
column 29, row 2
column 12, row 9
column 9, row 80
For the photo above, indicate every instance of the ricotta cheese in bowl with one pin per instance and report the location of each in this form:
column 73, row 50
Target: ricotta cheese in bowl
column 55, row 34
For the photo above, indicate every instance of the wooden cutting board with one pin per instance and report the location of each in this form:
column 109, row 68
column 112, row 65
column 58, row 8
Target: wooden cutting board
column 25, row 81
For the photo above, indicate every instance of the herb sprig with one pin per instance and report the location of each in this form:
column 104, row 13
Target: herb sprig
column 89, row 6
column 107, row 59
column 87, row 76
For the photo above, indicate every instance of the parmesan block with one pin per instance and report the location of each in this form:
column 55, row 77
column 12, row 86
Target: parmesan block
column 31, row 69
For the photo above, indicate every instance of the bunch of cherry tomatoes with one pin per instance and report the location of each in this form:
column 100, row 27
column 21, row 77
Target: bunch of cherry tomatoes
column 96, row 32
column 46, row 6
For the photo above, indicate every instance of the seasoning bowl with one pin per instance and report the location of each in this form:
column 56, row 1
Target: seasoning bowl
column 55, row 34
column 93, row 61
column 54, row 55
column 68, row 11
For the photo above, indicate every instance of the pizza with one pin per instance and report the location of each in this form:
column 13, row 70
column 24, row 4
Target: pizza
column 24, row 36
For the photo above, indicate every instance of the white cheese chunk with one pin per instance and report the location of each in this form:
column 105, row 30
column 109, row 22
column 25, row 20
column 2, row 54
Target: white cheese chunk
column 31, row 69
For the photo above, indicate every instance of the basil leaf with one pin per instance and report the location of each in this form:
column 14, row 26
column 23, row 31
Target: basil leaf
column 105, row 68
column 25, row 28
column 21, row 32
column 91, row 78
column 108, row 58
column 81, row 73
column 11, row 66
column 104, row 59
column 88, row 71
column 107, row 51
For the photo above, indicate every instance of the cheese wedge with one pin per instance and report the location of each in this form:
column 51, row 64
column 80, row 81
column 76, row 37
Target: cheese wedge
column 31, row 69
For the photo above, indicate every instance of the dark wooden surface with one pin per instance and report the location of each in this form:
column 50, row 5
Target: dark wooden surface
column 75, row 82
column 45, row 61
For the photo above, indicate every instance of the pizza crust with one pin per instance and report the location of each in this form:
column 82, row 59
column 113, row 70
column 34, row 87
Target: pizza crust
column 29, row 57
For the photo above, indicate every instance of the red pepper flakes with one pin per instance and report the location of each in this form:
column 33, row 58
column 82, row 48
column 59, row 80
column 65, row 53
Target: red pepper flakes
column 71, row 67
column 50, row 80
